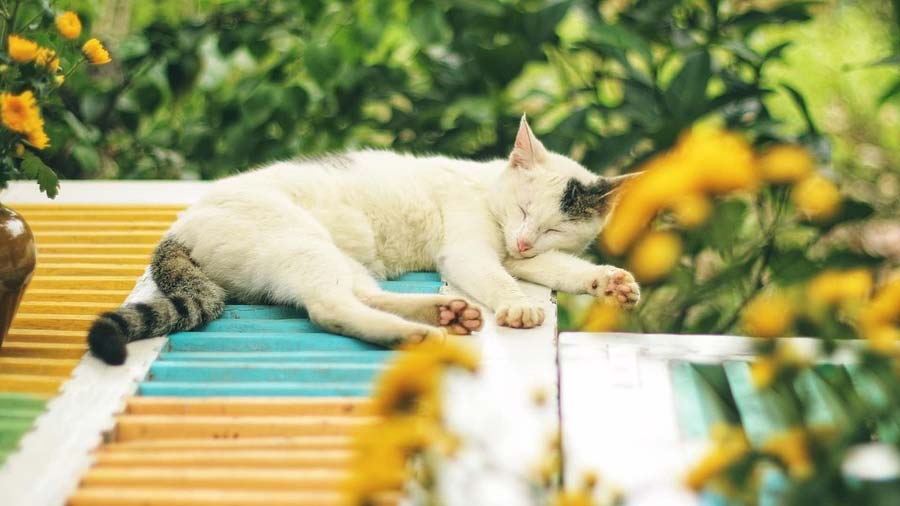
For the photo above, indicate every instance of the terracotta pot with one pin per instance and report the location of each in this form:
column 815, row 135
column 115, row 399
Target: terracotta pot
column 17, row 261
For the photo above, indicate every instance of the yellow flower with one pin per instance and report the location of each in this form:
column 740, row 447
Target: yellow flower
column 817, row 198
column 20, row 113
column 654, row 256
column 721, row 161
column 603, row 316
column 38, row 138
column 21, row 49
column 879, row 318
column 578, row 498
column 691, row 210
column 786, row 164
column 409, row 386
column 729, row 445
column 792, row 449
column 762, row 371
column 68, row 25
column 60, row 79
column 46, row 57
column 95, row 52
column 833, row 286
column 448, row 354
column 768, row 315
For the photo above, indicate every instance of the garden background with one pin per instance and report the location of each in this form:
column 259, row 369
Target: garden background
column 202, row 89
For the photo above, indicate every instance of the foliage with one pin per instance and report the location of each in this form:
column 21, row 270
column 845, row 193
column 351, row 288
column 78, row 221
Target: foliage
column 35, row 60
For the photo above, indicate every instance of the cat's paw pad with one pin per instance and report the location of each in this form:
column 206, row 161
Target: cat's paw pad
column 617, row 284
column 423, row 334
column 460, row 318
column 520, row 315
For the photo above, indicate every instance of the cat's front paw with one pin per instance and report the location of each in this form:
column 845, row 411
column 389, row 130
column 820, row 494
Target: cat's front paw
column 614, row 283
column 520, row 315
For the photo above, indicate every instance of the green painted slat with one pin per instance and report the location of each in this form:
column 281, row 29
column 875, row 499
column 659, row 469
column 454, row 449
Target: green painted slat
column 759, row 410
column 19, row 414
column 873, row 393
column 10, row 400
column 824, row 407
column 700, row 400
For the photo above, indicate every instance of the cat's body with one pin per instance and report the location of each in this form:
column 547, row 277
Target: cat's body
column 318, row 232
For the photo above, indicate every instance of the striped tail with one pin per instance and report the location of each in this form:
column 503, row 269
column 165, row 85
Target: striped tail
column 189, row 300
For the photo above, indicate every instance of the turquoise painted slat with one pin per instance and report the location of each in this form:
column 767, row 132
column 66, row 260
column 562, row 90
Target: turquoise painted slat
column 760, row 414
column 824, row 407
column 352, row 357
column 281, row 341
column 247, row 325
column 698, row 404
column 240, row 372
column 261, row 312
column 419, row 276
column 412, row 286
column 280, row 389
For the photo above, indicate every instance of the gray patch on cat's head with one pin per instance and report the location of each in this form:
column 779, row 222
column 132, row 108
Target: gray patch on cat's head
column 583, row 201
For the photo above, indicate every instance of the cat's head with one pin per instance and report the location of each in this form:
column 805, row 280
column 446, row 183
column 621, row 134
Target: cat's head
column 547, row 201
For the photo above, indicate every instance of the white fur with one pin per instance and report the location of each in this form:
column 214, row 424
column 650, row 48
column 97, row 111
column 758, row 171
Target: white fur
column 316, row 233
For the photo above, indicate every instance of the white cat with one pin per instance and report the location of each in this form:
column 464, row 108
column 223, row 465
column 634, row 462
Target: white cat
column 318, row 233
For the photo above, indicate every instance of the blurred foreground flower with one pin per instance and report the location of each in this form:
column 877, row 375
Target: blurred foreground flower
column 817, row 198
column 768, row 315
column 880, row 318
column 786, row 164
column 654, row 256
column 836, row 286
column 791, row 448
column 603, row 316
column 21, row 49
column 729, row 445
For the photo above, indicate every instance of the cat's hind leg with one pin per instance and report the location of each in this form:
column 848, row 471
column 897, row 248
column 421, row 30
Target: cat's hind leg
column 455, row 314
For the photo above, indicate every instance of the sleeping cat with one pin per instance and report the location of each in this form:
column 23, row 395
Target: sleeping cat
column 319, row 232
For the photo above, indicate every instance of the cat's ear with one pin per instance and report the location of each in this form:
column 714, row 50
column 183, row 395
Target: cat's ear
column 596, row 198
column 528, row 150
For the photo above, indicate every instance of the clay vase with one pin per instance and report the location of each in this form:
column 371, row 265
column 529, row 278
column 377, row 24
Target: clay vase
column 17, row 260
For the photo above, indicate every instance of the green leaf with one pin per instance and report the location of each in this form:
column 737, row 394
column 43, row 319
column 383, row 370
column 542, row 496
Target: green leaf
column 619, row 37
column 801, row 103
column 890, row 93
column 686, row 95
column 792, row 266
column 428, row 26
column 35, row 168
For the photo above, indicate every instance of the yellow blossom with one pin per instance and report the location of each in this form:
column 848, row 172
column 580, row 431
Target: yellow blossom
column 834, row 286
column 762, row 371
column 589, row 479
column 786, row 164
column 691, row 210
column 21, row 49
column 768, row 315
column 20, row 113
column 654, row 256
column 880, row 316
column 577, row 498
column 59, row 79
column 603, row 316
column 409, row 386
column 48, row 58
column 448, row 354
column 69, row 25
column 817, row 198
column 792, row 449
column 95, row 52
column 722, row 161
column 729, row 444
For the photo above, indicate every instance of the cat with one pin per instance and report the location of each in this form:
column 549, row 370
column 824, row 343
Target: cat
column 319, row 232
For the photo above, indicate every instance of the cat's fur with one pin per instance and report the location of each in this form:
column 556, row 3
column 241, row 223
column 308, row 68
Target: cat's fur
column 318, row 233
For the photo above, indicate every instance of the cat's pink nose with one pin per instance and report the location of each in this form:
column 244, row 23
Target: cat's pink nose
column 523, row 245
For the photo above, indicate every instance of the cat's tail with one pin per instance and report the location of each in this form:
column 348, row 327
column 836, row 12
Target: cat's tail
column 189, row 300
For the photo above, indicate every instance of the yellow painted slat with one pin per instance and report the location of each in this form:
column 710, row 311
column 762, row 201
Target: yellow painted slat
column 37, row 350
column 71, row 308
column 148, row 446
column 26, row 207
column 236, row 406
column 87, row 269
column 39, row 225
column 33, row 294
column 53, row 321
column 94, row 237
column 94, row 258
column 46, row 336
column 77, row 215
column 74, row 248
column 116, row 496
column 131, row 427
column 206, row 477
column 327, row 459
column 25, row 383
column 74, row 282
column 45, row 366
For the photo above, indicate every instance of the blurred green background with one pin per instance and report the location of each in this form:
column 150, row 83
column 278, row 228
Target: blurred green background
column 203, row 89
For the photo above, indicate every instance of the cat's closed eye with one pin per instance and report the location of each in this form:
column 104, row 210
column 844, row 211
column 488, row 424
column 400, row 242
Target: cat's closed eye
column 552, row 230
